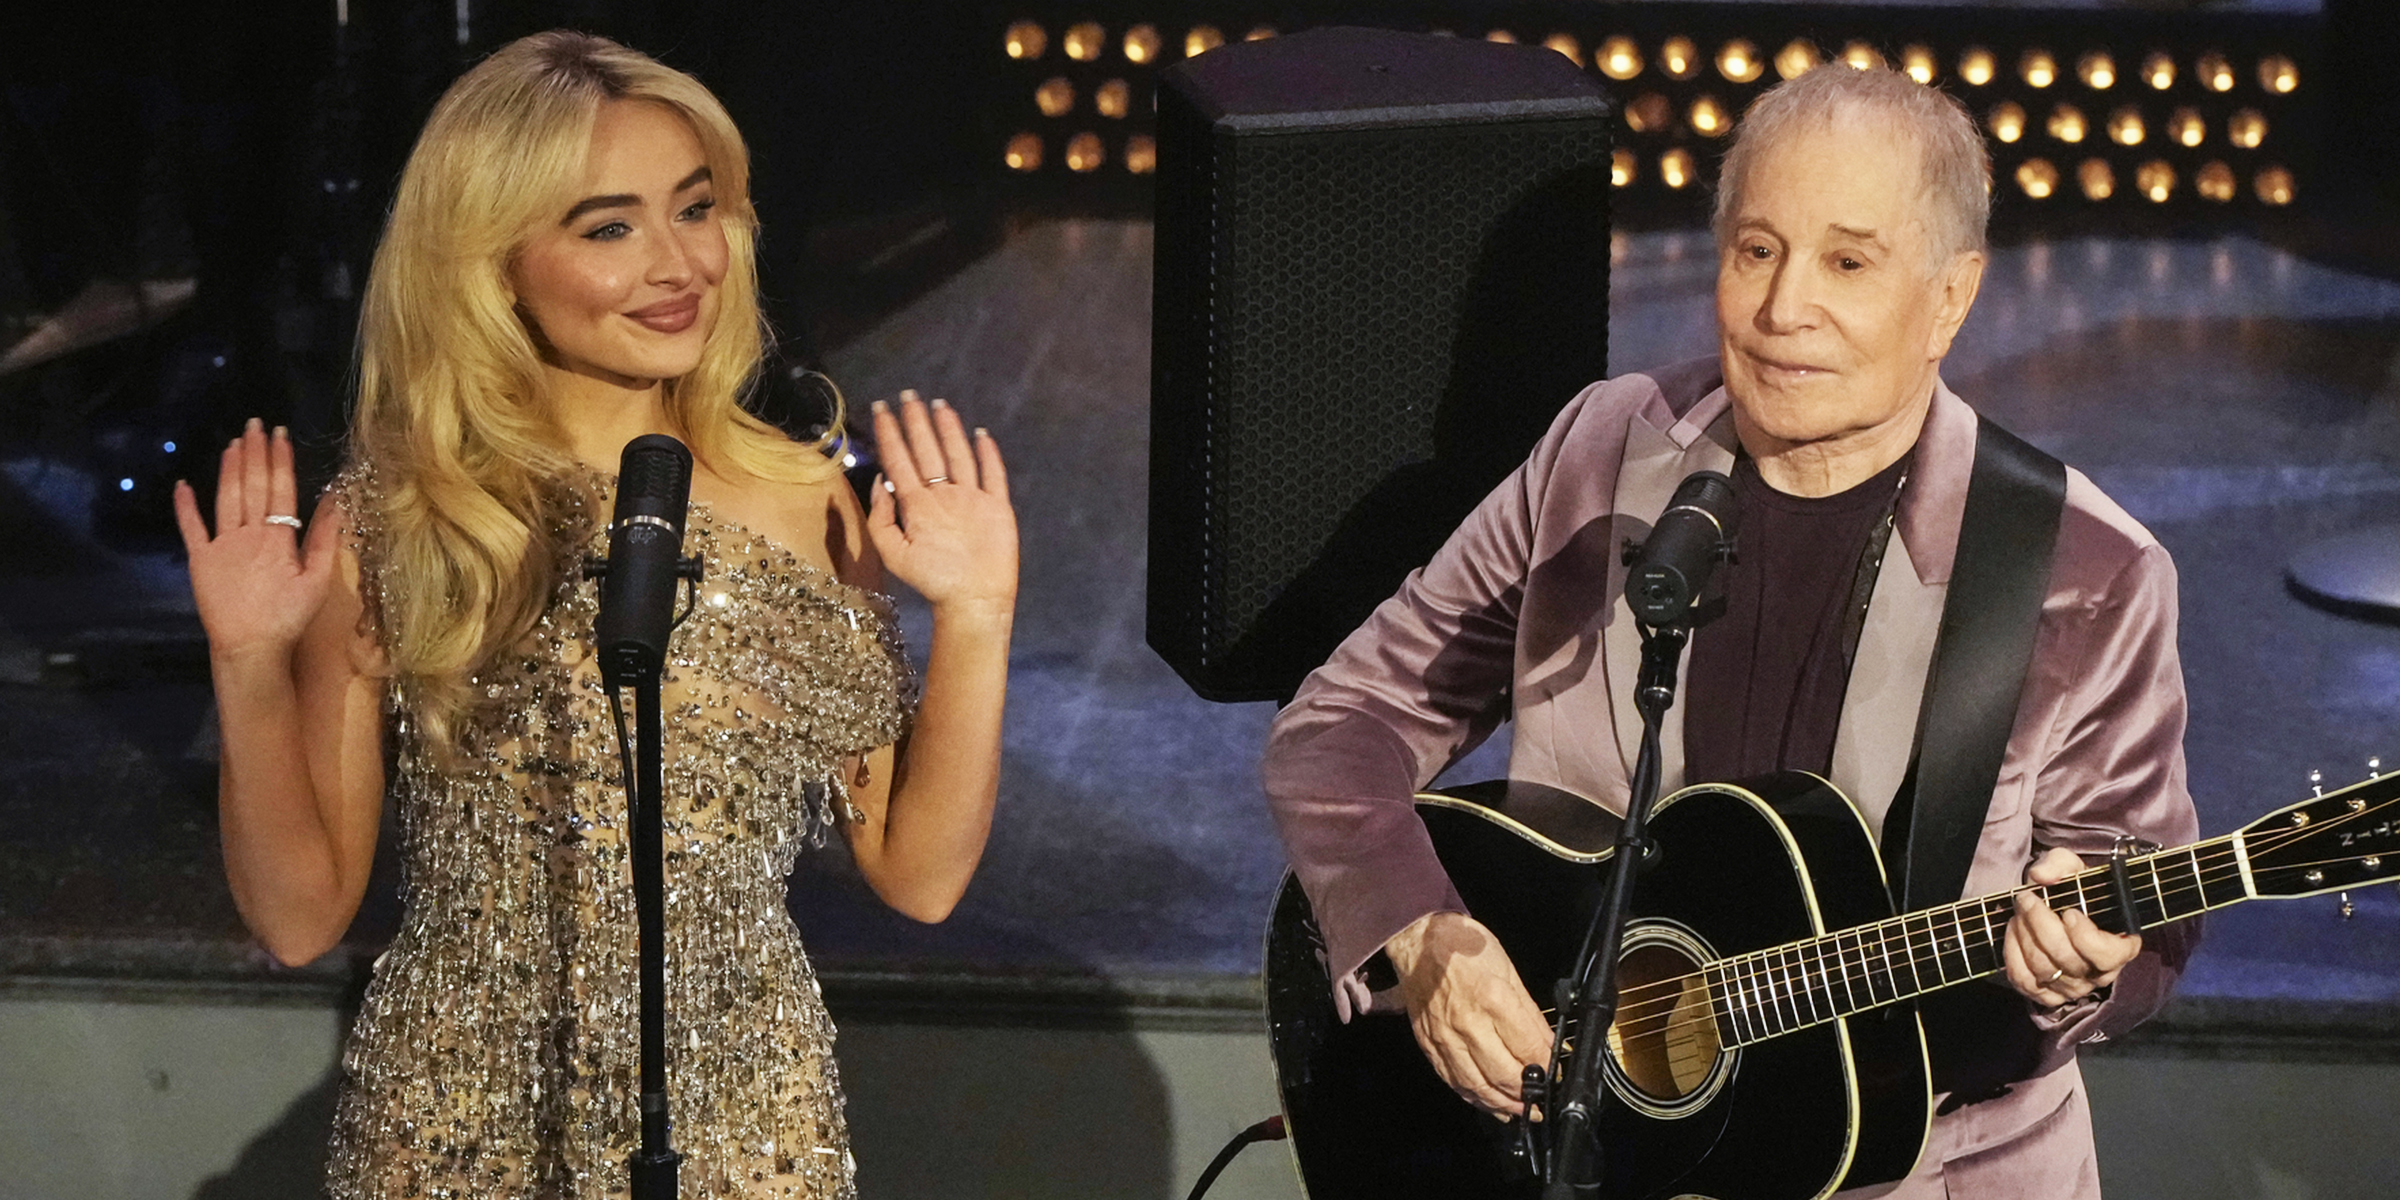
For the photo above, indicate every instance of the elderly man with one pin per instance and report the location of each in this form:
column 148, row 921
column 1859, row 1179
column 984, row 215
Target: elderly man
column 1850, row 230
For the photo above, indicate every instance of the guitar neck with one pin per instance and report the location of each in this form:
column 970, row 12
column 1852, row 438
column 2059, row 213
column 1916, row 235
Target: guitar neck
column 1771, row 992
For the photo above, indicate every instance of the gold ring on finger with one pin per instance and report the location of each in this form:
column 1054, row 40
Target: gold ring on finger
column 283, row 519
column 937, row 479
column 2055, row 976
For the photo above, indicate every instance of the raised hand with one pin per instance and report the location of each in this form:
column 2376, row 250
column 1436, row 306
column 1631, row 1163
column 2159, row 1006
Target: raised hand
column 256, row 589
column 941, row 521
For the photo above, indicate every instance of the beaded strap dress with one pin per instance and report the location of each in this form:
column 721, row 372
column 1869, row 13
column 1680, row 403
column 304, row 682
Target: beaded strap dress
column 497, row 1051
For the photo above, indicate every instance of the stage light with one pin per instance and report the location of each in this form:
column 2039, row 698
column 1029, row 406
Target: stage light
column 1141, row 154
column 1141, row 44
column 1675, row 167
column 1710, row 118
column 2274, row 186
column 2215, row 73
column 1259, row 33
column 2097, row 70
column 1501, row 36
column 1619, row 58
column 1201, row 40
column 2125, row 126
column 1025, row 152
column 2037, row 177
column 2185, row 126
column 2158, row 70
column 1738, row 62
column 2214, row 182
column 1113, row 98
column 1621, row 168
column 1085, row 41
column 2096, row 179
column 2246, row 129
column 2066, row 124
column 1085, row 153
column 2007, row 121
column 124, row 485
column 1919, row 63
column 1566, row 44
column 1679, row 58
column 2156, row 180
column 2278, row 74
column 1649, row 113
column 1056, row 97
column 2037, row 68
column 1975, row 65
column 1797, row 58
column 1861, row 56
column 1026, row 40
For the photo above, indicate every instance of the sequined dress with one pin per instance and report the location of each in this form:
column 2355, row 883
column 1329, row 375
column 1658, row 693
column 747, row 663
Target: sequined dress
column 496, row 1054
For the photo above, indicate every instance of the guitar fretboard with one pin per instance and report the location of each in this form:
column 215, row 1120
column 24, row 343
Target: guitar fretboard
column 1772, row 992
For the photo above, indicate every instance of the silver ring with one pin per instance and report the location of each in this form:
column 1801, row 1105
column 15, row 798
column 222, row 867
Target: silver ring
column 2054, row 976
column 280, row 519
column 937, row 479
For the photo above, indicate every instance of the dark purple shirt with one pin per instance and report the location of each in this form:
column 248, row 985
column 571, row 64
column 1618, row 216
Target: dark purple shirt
column 1768, row 676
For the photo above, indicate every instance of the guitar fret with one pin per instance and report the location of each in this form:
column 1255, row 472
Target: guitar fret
column 2158, row 890
column 1747, row 1004
column 1848, row 993
column 1883, row 942
column 1796, row 964
column 2208, row 899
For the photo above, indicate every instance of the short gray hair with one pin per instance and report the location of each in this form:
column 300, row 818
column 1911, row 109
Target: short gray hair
column 1957, row 168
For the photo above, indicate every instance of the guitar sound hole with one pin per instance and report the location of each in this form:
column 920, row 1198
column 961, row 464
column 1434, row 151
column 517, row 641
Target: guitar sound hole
column 1664, row 1039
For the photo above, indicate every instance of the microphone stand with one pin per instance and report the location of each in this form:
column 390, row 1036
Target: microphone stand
column 654, row 1165
column 1574, row 1163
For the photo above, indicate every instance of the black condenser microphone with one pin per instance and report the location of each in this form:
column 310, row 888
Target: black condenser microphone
column 645, row 559
column 1671, row 568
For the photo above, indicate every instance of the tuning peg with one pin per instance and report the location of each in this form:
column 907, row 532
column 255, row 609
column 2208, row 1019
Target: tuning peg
column 2316, row 782
column 2349, row 910
column 2375, row 767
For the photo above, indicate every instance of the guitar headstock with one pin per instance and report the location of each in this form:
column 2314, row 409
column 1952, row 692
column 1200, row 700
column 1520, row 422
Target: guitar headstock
column 2343, row 839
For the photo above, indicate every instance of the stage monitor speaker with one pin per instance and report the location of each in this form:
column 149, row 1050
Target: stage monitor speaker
column 1382, row 269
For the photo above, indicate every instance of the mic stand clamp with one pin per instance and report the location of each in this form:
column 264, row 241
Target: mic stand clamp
column 654, row 1165
column 1574, row 1166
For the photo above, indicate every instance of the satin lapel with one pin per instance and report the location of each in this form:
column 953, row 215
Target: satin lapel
column 1655, row 461
column 1887, row 684
column 1878, row 730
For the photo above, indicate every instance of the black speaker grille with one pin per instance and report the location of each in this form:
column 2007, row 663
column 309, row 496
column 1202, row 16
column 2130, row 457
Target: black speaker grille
column 1337, row 317
column 1362, row 319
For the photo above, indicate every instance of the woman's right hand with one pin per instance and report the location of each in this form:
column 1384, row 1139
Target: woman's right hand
column 256, row 589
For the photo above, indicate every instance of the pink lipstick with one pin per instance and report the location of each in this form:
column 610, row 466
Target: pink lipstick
column 669, row 316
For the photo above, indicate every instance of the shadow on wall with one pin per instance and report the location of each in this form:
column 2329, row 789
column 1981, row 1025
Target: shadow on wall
column 937, row 1113
column 287, row 1160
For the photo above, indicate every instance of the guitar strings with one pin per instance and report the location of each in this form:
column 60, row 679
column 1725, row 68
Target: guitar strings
column 1783, row 988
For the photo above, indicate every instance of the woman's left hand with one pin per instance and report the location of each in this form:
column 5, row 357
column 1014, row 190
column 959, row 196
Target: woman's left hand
column 941, row 519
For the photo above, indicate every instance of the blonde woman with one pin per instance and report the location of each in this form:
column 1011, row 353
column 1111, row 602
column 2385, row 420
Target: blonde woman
column 567, row 266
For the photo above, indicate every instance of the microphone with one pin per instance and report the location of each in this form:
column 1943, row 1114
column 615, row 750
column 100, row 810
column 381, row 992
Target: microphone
column 1671, row 568
column 645, row 558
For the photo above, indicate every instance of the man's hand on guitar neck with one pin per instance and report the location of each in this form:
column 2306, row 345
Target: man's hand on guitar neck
column 2058, row 956
column 1472, row 1016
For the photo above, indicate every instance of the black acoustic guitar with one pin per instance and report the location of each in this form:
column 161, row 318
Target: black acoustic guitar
column 1763, row 1048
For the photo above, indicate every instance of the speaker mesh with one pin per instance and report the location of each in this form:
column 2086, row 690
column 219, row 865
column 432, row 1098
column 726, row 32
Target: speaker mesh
column 1358, row 331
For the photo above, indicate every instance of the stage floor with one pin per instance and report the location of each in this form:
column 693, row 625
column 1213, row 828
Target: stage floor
column 2238, row 400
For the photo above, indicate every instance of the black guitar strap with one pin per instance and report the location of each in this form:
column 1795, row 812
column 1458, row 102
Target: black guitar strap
column 2015, row 497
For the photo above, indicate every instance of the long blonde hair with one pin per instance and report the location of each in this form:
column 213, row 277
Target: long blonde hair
column 453, row 420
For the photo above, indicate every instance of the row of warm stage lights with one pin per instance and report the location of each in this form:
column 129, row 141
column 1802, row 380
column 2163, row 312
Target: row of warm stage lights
column 1739, row 61
column 2038, row 178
